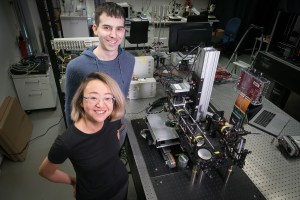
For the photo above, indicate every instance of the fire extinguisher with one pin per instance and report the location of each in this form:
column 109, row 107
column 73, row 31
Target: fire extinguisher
column 22, row 46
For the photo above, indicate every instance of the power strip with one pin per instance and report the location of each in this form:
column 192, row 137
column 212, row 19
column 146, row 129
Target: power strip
column 79, row 43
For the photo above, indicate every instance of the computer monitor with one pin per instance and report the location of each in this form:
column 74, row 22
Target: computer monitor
column 186, row 36
column 197, row 18
column 126, row 7
column 203, row 17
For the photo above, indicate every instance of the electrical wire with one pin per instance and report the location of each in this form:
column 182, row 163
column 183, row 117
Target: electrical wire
column 174, row 77
column 27, row 144
column 27, row 65
column 137, row 112
column 154, row 104
column 148, row 6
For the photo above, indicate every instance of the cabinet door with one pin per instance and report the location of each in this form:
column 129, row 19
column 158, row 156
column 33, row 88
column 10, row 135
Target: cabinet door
column 35, row 92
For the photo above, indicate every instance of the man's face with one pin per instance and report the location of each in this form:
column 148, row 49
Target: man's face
column 110, row 31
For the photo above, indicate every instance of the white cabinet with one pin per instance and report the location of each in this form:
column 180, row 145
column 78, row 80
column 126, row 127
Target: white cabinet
column 36, row 91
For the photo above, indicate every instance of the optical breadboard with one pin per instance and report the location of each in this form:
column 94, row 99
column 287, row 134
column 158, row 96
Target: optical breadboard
column 78, row 43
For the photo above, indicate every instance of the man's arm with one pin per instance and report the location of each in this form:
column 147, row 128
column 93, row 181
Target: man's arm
column 128, row 69
column 72, row 82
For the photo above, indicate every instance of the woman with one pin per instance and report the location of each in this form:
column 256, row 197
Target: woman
column 91, row 143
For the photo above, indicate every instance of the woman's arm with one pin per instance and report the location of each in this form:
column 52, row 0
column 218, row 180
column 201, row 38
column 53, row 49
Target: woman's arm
column 51, row 172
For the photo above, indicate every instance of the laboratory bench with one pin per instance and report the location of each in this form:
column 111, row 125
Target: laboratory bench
column 268, row 172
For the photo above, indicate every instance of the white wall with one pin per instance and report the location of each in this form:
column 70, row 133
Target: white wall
column 9, row 51
column 33, row 22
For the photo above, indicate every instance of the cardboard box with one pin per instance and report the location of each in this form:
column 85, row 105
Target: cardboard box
column 15, row 130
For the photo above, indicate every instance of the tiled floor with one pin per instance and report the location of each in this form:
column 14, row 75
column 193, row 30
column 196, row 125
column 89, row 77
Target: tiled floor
column 20, row 180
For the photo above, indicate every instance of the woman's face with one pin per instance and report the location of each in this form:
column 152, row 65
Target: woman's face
column 98, row 101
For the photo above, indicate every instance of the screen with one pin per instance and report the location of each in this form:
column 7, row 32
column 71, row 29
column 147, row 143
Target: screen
column 203, row 17
column 126, row 8
column 126, row 12
column 186, row 36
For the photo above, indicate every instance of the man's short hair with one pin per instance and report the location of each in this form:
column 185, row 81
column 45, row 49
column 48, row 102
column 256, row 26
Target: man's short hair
column 111, row 9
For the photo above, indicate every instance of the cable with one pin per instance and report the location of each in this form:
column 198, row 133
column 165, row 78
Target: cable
column 27, row 144
column 29, row 65
column 193, row 65
column 146, row 10
column 137, row 112
column 155, row 104
column 47, row 130
column 159, row 102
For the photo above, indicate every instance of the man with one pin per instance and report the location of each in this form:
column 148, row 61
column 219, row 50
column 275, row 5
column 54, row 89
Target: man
column 108, row 57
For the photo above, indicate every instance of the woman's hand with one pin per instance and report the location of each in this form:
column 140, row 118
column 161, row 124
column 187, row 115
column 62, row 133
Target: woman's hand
column 120, row 131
